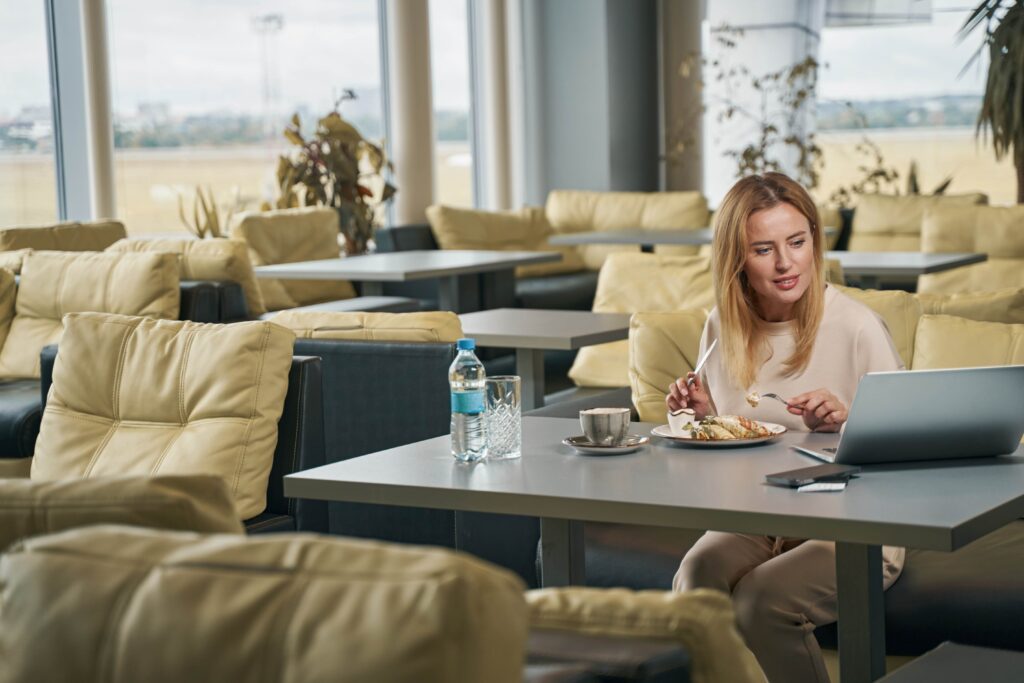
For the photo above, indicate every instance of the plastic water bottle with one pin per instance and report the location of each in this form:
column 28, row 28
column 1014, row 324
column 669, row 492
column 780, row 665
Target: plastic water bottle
column 466, row 378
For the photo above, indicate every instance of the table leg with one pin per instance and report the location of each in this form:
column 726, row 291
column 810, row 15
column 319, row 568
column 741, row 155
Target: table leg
column 562, row 557
column 868, row 281
column 530, row 368
column 372, row 288
column 861, row 612
column 448, row 294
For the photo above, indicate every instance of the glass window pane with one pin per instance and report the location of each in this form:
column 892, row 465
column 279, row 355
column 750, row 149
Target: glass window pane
column 449, row 56
column 203, row 90
column 28, row 179
column 922, row 111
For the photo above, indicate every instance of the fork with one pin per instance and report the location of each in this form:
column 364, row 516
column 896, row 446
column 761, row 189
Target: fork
column 777, row 398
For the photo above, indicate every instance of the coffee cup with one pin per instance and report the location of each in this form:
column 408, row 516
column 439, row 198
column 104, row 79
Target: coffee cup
column 605, row 426
column 676, row 421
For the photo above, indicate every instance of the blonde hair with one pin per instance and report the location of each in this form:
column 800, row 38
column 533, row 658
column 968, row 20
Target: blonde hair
column 743, row 333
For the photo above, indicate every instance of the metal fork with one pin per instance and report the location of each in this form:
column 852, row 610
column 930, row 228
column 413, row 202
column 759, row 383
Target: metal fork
column 777, row 398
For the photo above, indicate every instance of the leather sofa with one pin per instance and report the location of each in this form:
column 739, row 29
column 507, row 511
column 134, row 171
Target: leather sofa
column 282, row 407
column 308, row 608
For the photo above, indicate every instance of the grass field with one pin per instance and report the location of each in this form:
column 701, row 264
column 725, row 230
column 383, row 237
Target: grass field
column 150, row 180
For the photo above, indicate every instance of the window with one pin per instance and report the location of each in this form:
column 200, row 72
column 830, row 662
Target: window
column 449, row 56
column 203, row 90
column 28, row 185
column 907, row 99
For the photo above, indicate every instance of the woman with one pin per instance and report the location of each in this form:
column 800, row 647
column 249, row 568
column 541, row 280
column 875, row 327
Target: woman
column 780, row 329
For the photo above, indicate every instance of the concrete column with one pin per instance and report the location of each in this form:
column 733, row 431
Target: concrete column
column 681, row 97
column 411, row 107
column 491, row 115
column 99, row 119
column 775, row 35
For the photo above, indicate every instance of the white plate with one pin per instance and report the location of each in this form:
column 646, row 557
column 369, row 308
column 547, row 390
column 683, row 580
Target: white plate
column 665, row 432
column 582, row 445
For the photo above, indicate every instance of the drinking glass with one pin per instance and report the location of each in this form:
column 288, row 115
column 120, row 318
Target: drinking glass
column 503, row 419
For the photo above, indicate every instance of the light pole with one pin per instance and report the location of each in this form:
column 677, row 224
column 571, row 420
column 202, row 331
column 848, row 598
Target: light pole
column 267, row 26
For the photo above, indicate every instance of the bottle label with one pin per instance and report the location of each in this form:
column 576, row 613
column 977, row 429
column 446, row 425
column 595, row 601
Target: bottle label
column 471, row 402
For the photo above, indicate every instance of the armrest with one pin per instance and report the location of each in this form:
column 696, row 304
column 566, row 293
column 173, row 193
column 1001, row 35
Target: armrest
column 300, row 444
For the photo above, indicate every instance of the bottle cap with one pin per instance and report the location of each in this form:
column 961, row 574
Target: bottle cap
column 466, row 344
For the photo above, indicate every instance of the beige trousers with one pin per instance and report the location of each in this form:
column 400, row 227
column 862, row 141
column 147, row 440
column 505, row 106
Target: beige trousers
column 782, row 589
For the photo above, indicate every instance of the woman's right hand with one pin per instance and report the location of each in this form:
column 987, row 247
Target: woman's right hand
column 689, row 392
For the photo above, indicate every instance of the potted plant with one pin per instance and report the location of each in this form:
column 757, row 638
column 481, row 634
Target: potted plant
column 1002, row 106
column 336, row 167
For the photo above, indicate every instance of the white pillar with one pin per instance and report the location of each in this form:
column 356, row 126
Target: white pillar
column 99, row 120
column 491, row 105
column 682, row 128
column 411, row 107
column 775, row 35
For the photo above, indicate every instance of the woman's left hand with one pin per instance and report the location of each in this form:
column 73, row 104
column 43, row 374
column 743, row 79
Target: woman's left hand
column 821, row 410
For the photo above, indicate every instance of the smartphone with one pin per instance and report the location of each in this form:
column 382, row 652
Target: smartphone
column 809, row 475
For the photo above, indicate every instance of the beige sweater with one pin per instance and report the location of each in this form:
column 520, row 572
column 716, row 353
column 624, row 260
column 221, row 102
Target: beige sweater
column 851, row 341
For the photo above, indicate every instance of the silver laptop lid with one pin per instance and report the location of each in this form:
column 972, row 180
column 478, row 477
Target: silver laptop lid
column 934, row 414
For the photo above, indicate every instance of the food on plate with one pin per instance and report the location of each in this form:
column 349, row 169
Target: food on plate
column 725, row 427
column 753, row 398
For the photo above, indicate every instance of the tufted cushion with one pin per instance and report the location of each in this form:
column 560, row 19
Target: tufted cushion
column 662, row 347
column 289, row 236
column 12, row 260
column 195, row 503
column 140, row 396
column 525, row 229
column 56, row 282
column 893, row 223
column 900, row 311
column 580, row 211
column 702, row 620
column 945, row 341
column 212, row 259
column 177, row 606
column 74, row 236
column 631, row 283
column 429, row 326
column 1003, row 306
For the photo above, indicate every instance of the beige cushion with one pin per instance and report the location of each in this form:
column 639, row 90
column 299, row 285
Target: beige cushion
column 8, row 296
column 581, row 211
column 54, row 283
column 631, row 283
column 73, row 236
column 141, row 396
column 15, row 468
column 900, row 311
column 893, row 223
column 994, row 274
column 1003, row 306
column 212, row 259
column 428, row 326
column 945, row 341
column 290, row 236
column 702, row 620
column 830, row 218
column 196, row 503
column 525, row 229
column 662, row 347
column 994, row 230
column 177, row 606
column 12, row 260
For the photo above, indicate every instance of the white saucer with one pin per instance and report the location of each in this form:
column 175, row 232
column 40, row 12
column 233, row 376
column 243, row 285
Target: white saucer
column 583, row 445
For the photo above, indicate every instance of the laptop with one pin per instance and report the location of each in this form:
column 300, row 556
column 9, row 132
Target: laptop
column 932, row 415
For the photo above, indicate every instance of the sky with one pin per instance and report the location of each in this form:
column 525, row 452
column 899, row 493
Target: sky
column 207, row 55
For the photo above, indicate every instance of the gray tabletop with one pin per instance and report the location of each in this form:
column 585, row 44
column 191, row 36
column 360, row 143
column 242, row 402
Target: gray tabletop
column 677, row 236
column 900, row 263
column 935, row 506
column 528, row 328
column 400, row 266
